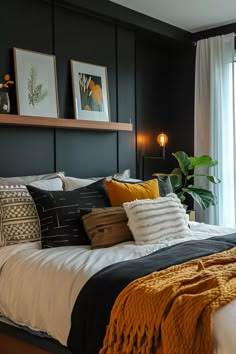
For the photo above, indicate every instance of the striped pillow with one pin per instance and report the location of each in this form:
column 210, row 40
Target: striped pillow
column 157, row 220
column 106, row 226
column 18, row 216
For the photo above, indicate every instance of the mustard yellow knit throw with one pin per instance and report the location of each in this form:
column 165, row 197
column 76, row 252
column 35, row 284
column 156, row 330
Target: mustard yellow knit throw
column 170, row 312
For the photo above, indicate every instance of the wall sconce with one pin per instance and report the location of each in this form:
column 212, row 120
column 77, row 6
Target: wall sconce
column 162, row 140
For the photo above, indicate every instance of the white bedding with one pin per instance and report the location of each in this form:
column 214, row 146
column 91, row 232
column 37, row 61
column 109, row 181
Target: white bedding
column 39, row 287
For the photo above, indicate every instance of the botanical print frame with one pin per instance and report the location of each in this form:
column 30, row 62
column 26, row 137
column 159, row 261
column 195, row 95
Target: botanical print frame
column 90, row 91
column 36, row 83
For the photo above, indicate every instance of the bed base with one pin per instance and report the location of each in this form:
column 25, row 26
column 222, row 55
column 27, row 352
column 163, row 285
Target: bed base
column 10, row 345
column 14, row 340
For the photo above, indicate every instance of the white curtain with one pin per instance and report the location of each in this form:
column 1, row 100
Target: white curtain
column 214, row 126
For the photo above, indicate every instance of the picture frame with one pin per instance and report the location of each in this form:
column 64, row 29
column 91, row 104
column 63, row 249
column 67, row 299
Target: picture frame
column 90, row 91
column 36, row 83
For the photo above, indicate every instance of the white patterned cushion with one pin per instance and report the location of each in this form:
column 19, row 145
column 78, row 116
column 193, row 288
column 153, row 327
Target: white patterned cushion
column 157, row 220
column 18, row 216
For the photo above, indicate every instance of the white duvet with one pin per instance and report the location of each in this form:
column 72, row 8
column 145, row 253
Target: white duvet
column 38, row 288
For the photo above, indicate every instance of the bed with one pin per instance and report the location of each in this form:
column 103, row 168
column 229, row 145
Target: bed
column 59, row 298
column 29, row 266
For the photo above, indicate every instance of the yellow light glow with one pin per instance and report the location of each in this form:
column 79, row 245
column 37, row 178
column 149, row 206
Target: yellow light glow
column 162, row 139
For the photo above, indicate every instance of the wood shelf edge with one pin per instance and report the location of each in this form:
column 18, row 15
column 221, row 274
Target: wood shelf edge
column 12, row 119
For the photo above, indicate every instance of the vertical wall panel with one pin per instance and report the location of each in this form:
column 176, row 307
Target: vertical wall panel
column 83, row 153
column 26, row 151
column 149, row 100
column 86, row 154
column 24, row 24
column 83, row 38
column 126, row 98
column 164, row 101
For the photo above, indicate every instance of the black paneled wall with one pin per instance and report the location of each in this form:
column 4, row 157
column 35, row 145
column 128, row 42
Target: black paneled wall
column 42, row 27
column 150, row 80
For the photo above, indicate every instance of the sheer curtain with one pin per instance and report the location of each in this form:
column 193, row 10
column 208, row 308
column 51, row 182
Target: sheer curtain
column 214, row 125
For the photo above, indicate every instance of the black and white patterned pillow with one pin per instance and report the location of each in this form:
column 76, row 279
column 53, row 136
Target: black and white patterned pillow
column 58, row 213
column 18, row 216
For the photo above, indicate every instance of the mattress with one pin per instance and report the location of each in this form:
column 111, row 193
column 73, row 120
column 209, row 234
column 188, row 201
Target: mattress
column 9, row 323
column 45, row 279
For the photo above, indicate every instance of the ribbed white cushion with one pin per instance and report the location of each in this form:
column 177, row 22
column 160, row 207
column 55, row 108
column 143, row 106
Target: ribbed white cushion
column 156, row 220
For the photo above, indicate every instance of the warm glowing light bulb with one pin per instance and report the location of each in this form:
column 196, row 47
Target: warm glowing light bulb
column 162, row 139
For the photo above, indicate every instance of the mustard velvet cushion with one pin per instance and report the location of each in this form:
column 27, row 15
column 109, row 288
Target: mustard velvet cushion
column 120, row 192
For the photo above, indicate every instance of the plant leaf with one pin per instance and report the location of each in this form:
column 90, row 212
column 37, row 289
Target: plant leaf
column 183, row 160
column 202, row 161
column 181, row 196
column 212, row 179
column 176, row 181
column 202, row 196
column 176, row 171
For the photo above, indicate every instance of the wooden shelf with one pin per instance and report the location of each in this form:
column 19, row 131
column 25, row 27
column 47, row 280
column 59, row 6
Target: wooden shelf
column 11, row 119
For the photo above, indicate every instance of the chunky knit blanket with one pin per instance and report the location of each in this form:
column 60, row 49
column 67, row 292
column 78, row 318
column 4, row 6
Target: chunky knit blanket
column 170, row 312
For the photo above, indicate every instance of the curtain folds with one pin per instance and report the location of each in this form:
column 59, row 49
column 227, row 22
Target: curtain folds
column 214, row 124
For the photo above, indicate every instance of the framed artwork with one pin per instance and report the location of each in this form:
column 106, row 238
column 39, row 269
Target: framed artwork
column 36, row 84
column 90, row 91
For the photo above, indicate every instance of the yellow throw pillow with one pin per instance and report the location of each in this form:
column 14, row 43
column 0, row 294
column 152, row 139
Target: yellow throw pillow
column 120, row 192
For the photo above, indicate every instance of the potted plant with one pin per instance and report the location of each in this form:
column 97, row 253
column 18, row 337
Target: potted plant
column 182, row 178
column 4, row 97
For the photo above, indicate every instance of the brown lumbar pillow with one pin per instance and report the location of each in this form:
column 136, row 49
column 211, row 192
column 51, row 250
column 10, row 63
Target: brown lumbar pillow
column 106, row 226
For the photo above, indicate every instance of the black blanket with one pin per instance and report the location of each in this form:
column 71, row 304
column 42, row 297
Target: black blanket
column 91, row 312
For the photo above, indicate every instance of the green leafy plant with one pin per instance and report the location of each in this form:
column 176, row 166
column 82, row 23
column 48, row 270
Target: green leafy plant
column 182, row 178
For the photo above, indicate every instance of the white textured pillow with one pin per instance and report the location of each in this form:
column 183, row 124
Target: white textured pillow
column 23, row 180
column 54, row 184
column 72, row 183
column 157, row 220
column 131, row 180
column 119, row 176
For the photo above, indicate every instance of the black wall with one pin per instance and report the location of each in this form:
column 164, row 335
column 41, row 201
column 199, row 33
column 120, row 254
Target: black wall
column 165, row 99
column 150, row 77
column 42, row 27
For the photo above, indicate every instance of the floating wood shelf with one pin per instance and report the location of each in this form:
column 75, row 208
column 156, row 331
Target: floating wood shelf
column 11, row 119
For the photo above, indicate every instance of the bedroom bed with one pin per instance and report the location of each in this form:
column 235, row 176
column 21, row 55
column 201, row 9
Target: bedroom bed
column 47, row 284
column 58, row 288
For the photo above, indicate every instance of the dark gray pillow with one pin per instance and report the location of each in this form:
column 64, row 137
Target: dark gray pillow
column 165, row 186
column 58, row 213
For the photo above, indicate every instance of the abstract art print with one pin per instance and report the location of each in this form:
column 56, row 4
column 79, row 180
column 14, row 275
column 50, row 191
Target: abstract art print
column 90, row 91
column 36, row 83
